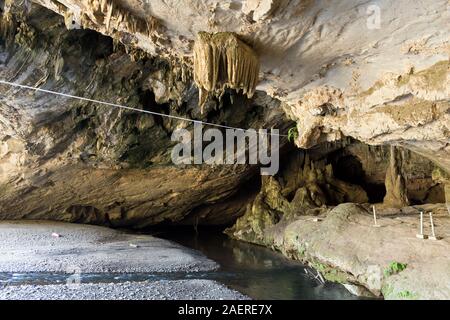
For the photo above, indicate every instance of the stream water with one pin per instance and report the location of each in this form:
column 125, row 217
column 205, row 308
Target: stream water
column 250, row 269
column 256, row 271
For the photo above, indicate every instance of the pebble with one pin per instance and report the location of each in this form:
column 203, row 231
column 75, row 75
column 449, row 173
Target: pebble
column 146, row 290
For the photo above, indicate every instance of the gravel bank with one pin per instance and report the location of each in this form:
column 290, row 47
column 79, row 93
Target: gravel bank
column 29, row 246
column 156, row 290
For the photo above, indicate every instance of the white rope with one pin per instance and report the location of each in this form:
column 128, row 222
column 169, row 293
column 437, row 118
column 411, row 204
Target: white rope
column 125, row 107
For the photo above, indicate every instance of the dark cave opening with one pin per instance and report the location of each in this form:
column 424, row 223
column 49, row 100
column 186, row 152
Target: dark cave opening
column 348, row 168
column 375, row 191
column 83, row 39
column 148, row 102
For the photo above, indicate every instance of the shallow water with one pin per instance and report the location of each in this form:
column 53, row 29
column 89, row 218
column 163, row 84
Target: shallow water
column 255, row 271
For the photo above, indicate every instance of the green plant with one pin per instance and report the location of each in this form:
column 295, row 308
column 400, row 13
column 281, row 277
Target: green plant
column 387, row 290
column 406, row 295
column 292, row 134
column 329, row 273
column 394, row 267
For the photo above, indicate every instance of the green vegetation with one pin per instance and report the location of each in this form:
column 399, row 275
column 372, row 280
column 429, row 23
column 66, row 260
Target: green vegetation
column 329, row 273
column 301, row 250
column 406, row 295
column 389, row 292
column 293, row 134
column 394, row 268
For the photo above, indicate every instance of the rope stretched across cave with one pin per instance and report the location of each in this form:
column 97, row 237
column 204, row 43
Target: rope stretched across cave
column 115, row 105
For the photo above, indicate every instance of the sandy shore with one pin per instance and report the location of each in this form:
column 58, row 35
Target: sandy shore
column 154, row 290
column 31, row 246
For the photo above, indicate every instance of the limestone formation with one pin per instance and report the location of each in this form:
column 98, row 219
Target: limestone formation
column 332, row 82
column 223, row 61
column 83, row 162
column 408, row 106
column 311, row 185
column 441, row 176
column 267, row 210
column 115, row 17
column 6, row 20
column 395, row 182
column 307, row 185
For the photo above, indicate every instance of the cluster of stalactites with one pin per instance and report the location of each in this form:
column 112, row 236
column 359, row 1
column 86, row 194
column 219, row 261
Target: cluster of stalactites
column 113, row 17
column 223, row 61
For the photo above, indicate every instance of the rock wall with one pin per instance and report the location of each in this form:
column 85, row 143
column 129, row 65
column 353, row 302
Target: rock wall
column 71, row 160
column 308, row 185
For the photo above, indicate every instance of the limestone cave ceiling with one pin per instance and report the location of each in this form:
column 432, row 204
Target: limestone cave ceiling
column 376, row 72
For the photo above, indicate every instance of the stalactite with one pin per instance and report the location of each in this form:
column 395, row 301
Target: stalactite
column 113, row 16
column 59, row 64
column 7, row 22
column 68, row 17
column 109, row 10
column 396, row 195
column 441, row 176
column 223, row 61
column 6, row 25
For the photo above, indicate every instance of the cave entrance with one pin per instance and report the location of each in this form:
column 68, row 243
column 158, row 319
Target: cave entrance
column 349, row 168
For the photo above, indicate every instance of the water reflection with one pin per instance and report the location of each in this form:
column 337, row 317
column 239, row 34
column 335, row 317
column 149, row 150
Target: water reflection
column 256, row 271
